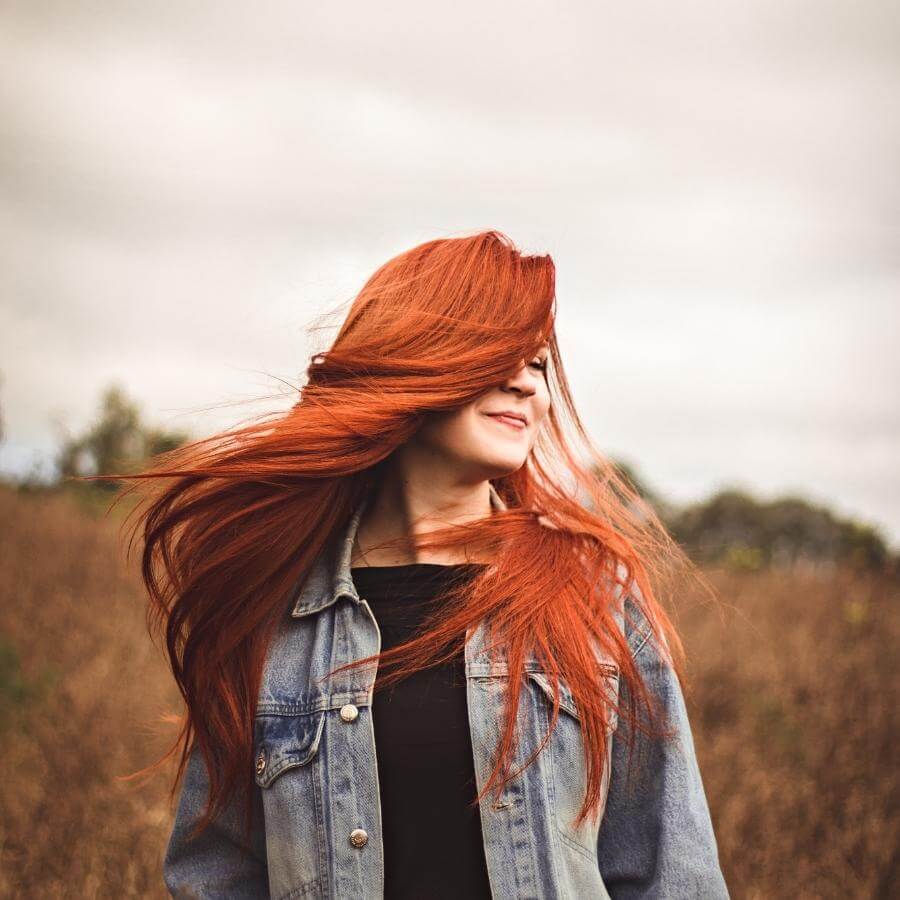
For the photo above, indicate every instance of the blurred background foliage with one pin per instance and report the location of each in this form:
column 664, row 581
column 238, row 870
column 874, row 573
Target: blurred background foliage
column 739, row 530
column 117, row 441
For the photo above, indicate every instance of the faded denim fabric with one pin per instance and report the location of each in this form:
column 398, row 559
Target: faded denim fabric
column 317, row 778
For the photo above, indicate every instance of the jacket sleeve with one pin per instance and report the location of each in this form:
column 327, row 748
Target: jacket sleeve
column 220, row 862
column 656, row 837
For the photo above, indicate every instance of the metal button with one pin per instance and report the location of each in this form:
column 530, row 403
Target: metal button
column 261, row 762
column 358, row 837
column 349, row 712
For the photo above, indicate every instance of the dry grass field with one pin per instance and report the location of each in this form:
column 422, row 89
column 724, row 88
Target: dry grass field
column 793, row 699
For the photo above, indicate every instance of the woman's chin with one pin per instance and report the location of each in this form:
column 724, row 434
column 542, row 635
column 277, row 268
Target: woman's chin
column 504, row 463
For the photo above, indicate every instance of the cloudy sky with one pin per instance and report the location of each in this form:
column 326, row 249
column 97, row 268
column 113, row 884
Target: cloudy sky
column 185, row 187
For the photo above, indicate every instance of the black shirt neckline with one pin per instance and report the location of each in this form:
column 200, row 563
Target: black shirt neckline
column 399, row 583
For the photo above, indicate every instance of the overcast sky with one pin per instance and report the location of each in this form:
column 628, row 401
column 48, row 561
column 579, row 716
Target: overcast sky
column 185, row 186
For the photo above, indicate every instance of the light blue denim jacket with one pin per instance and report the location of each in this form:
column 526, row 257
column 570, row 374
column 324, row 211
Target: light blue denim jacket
column 317, row 821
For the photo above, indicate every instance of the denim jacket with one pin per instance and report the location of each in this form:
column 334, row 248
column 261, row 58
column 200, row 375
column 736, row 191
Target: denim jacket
column 317, row 817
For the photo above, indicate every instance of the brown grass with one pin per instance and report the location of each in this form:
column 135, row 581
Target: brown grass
column 793, row 699
column 82, row 710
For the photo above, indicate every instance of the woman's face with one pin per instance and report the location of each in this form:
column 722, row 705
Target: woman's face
column 478, row 438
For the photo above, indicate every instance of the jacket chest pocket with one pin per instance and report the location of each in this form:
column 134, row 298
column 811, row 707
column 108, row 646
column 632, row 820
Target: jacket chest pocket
column 568, row 768
column 284, row 742
column 287, row 768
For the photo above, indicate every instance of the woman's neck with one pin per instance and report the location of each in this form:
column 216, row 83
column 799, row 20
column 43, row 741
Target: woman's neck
column 392, row 556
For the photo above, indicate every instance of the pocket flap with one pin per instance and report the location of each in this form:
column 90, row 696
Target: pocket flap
column 283, row 742
column 567, row 701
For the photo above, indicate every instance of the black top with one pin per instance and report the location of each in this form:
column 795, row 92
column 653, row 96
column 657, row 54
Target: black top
column 433, row 844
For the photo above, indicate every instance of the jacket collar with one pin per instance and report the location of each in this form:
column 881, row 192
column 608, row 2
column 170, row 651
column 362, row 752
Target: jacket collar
column 330, row 578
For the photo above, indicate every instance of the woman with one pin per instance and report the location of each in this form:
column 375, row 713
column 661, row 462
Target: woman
column 425, row 554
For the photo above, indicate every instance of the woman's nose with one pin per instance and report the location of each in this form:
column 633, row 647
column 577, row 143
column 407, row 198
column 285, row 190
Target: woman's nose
column 522, row 382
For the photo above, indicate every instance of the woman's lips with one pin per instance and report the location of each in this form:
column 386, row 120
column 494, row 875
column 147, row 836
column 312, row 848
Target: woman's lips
column 518, row 424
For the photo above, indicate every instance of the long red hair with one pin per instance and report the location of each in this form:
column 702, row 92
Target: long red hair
column 235, row 521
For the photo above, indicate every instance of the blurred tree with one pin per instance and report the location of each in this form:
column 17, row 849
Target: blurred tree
column 743, row 532
column 116, row 442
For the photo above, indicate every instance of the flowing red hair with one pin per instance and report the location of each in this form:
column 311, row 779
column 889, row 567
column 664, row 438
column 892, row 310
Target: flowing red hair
column 236, row 520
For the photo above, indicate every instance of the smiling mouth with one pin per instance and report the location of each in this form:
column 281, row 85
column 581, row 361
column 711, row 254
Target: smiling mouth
column 509, row 421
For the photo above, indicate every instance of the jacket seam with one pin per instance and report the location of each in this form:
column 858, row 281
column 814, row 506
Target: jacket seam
column 576, row 846
column 321, row 841
column 544, row 715
column 640, row 621
column 644, row 638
